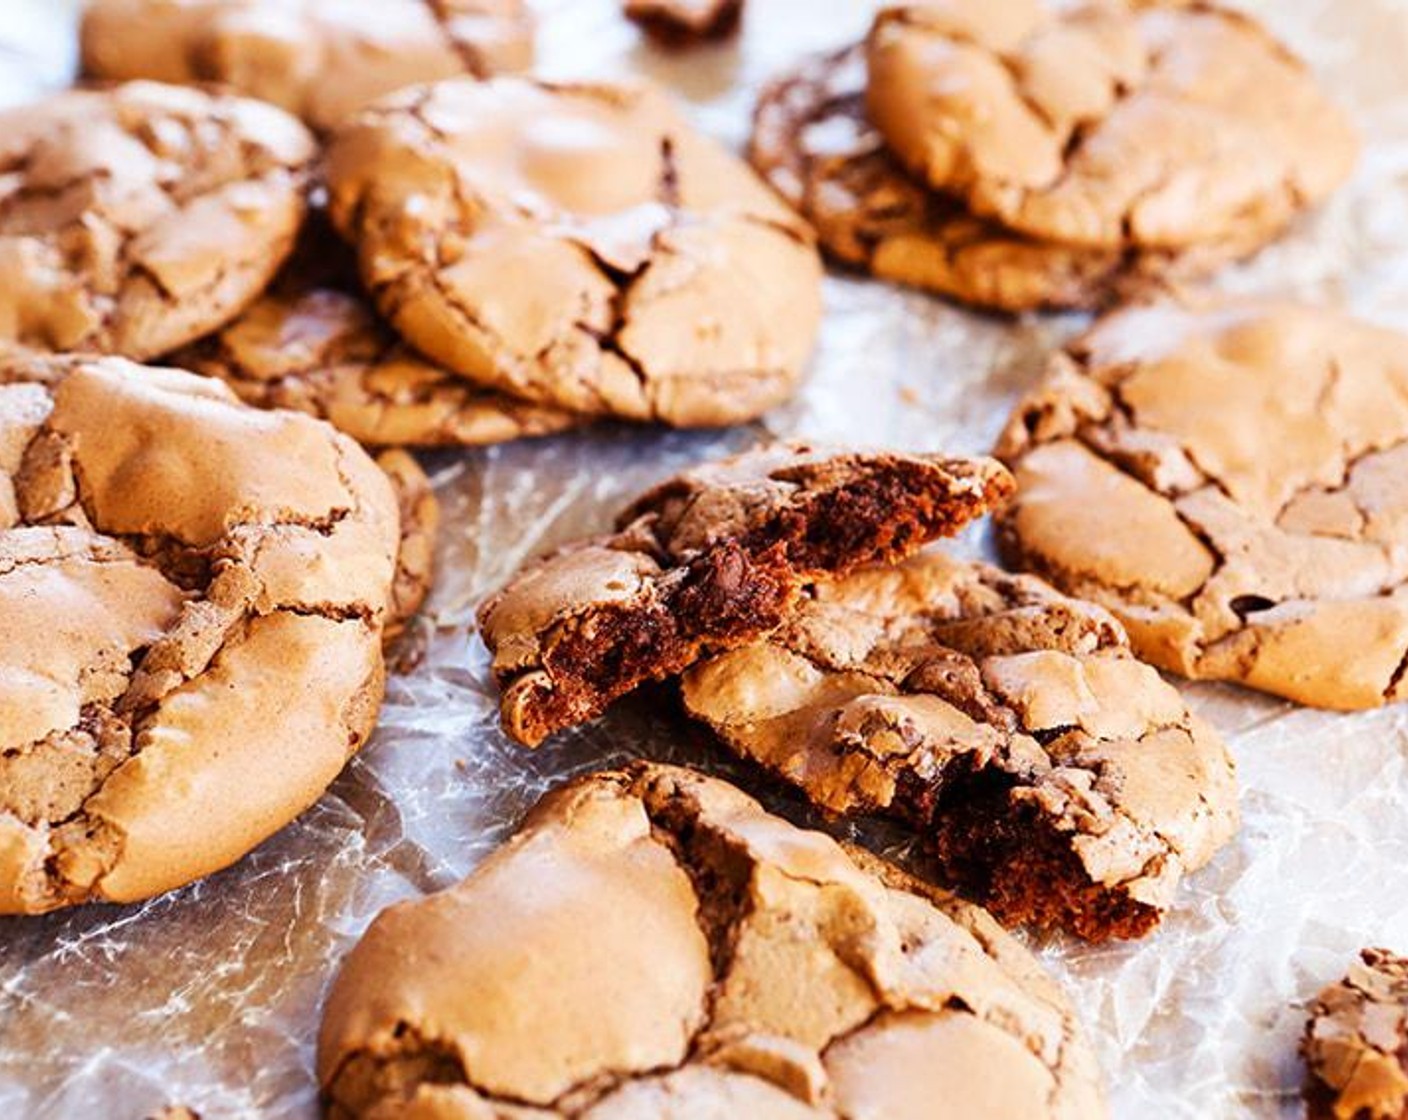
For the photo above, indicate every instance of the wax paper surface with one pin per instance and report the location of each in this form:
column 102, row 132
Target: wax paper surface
column 209, row 997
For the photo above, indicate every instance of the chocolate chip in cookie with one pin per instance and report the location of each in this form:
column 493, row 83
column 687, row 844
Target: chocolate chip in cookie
column 771, row 975
column 714, row 557
column 1228, row 479
column 1356, row 1043
column 579, row 246
column 137, row 218
column 1054, row 777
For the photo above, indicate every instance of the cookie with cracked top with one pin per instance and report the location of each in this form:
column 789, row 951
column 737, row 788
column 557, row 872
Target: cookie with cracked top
column 578, row 246
column 1055, row 778
column 678, row 23
column 137, row 218
column 775, row 975
column 1356, row 1043
column 1107, row 124
column 313, row 344
column 181, row 612
column 710, row 559
column 322, row 60
column 1226, row 477
column 813, row 141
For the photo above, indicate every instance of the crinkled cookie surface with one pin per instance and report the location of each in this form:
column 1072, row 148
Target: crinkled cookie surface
column 1055, row 778
column 813, row 141
column 651, row 944
column 1149, row 124
column 713, row 557
column 579, row 246
column 1229, row 480
column 320, row 59
column 193, row 595
column 1356, row 1043
column 136, row 218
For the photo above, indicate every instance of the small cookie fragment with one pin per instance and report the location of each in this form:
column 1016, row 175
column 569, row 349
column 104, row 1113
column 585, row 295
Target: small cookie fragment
column 194, row 630
column 579, row 246
column 1356, row 1043
column 681, row 22
column 710, row 559
column 772, row 975
column 312, row 344
column 1160, row 124
column 137, row 218
column 1228, row 479
column 813, row 142
column 322, row 60
column 1056, row 779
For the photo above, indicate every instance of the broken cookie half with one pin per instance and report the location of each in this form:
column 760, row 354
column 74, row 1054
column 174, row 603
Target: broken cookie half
column 713, row 558
column 1356, row 1043
column 1050, row 774
column 771, row 975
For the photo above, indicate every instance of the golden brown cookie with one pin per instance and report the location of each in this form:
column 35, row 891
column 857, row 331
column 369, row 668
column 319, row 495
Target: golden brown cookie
column 1108, row 124
column 313, row 344
column 1227, row 478
column 137, row 218
column 1055, row 779
column 682, row 22
column 193, row 625
column 1356, row 1043
column 768, row 975
column 813, row 142
column 579, row 246
column 320, row 59
column 713, row 558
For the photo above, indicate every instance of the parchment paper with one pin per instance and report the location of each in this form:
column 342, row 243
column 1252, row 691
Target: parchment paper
column 210, row 996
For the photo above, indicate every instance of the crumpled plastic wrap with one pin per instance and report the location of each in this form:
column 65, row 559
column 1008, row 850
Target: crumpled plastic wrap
column 210, row 996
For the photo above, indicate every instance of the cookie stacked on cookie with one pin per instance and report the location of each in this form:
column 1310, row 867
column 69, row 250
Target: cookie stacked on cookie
column 1020, row 155
column 1051, row 774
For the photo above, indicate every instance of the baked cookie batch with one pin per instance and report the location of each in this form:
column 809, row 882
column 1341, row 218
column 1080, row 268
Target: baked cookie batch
column 330, row 225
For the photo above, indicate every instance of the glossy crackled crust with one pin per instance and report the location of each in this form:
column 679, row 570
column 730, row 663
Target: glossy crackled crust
column 1356, row 1043
column 1227, row 479
column 1155, row 124
column 319, row 59
column 814, row 143
column 136, row 218
column 773, row 976
column 202, row 610
column 644, row 273
column 1054, row 778
column 706, row 561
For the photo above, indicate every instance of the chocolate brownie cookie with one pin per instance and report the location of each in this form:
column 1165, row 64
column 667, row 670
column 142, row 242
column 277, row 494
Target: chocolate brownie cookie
column 319, row 59
column 579, row 246
column 681, row 22
column 713, row 558
column 1155, row 124
column 313, row 344
column 813, row 142
column 137, row 218
column 1055, row 778
column 193, row 626
column 1356, row 1043
column 1227, row 479
column 772, row 975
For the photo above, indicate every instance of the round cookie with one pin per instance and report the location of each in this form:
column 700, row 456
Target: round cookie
column 322, row 60
column 771, row 975
column 312, row 344
column 1356, row 1043
column 182, row 608
column 813, row 142
column 579, row 246
column 1228, row 480
column 1052, row 776
column 1104, row 123
column 137, row 218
